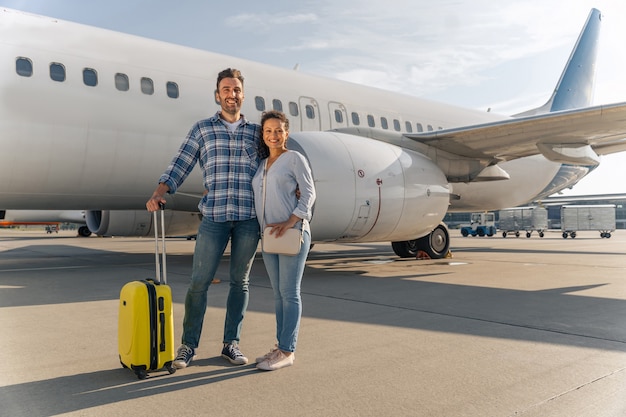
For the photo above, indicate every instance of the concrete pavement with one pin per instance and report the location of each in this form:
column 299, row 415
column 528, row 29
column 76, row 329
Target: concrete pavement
column 506, row 327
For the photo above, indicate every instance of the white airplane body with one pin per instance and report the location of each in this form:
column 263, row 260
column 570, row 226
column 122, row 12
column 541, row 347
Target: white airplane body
column 98, row 115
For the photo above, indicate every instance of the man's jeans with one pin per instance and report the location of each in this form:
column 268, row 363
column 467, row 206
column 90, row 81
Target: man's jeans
column 211, row 242
column 285, row 274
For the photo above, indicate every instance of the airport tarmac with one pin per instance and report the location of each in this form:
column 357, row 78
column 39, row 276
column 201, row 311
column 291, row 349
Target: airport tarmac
column 505, row 327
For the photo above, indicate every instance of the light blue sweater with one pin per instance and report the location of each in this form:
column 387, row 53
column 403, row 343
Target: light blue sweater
column 291, row 169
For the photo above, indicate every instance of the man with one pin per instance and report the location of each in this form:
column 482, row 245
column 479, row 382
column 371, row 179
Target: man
column 226, row 146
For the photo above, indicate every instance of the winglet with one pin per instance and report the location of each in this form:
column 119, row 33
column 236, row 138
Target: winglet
column 575, row 87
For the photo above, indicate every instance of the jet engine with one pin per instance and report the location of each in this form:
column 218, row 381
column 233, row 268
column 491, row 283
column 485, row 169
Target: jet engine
column 139, row 223
column 371, row 191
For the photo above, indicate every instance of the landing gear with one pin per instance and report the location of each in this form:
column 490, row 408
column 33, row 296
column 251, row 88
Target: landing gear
column 84, row 231
column 436, row 244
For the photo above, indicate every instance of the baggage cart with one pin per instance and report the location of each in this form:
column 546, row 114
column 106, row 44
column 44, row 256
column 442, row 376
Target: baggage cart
column 523, row 219
column 588, row 217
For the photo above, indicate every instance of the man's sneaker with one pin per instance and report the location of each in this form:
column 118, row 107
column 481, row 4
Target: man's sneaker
column 276, row 361
column 233, row 354
column 270, row 354
column 184, row 357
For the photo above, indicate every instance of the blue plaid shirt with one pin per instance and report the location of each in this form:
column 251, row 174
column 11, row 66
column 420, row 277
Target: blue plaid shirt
column 228, row 162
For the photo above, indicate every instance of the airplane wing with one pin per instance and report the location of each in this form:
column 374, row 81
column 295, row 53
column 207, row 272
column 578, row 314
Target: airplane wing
column 601, row 127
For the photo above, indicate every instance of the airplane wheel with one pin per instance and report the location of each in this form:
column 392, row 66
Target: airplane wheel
column 564, row 235
column 527, row 234
column 436, row 244
column 503, row 234
column 405, row 249
column 84, row 231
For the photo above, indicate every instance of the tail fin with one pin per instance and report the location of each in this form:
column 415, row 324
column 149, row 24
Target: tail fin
column 575, row 88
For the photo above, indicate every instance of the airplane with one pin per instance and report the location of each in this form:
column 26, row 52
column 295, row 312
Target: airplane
column 90, row 118
column 44, row 217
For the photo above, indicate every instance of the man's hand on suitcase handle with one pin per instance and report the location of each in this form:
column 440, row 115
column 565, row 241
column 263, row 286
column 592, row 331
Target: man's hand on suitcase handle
column 157, row 201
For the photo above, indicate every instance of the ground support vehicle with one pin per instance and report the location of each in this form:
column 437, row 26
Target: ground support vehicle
column 588, row 217
column 482, row 224
column 523, row 219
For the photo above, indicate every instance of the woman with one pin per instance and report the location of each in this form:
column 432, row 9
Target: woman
column 284, row 172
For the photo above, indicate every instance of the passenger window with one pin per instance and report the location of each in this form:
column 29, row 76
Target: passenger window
column 57, row 72
column 419, row 127
column 355, row 119
column 23, row 67
column 293, row 109
column 147, row 85
column 310, row 111
column 277, row 105
column 90, row 77
column 396, row 125
column 172, row 89
column 121, row 82
column 383, row 123
column 338, row 116
column 260, row 103
column 408, row 126
column 370, row 120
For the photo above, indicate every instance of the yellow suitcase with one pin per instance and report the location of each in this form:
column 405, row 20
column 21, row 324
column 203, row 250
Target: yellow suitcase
column 145, row 323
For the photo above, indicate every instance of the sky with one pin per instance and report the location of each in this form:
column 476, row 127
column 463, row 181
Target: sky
column 506, row 56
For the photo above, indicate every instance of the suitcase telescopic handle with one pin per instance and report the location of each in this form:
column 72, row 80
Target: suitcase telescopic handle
column 160, row 266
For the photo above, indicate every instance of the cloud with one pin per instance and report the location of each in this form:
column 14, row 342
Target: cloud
column 268, row 21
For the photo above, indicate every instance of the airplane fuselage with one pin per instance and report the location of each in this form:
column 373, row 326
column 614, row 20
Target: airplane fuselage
column 97, row 117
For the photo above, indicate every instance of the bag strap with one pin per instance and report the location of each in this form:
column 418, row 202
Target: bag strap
column 264, row 185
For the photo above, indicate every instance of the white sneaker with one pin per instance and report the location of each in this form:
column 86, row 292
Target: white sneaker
column 267, row 355
column 270, row 353
column 276, row 361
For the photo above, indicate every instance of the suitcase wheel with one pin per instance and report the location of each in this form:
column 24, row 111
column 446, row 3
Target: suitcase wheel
column 170, row 368
column 141, row 373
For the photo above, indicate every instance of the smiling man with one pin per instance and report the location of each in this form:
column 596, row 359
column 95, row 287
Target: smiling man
column 226, row 146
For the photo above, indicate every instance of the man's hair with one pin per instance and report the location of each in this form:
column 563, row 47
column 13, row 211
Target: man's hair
column 229, row 73
column 274, row 114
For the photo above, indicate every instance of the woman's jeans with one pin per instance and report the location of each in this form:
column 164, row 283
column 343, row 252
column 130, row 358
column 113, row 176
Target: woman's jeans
column 285, row 274
column 211, row 242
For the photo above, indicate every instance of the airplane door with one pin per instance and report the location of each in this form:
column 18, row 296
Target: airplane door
column 310, row 118
column 338, row 115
